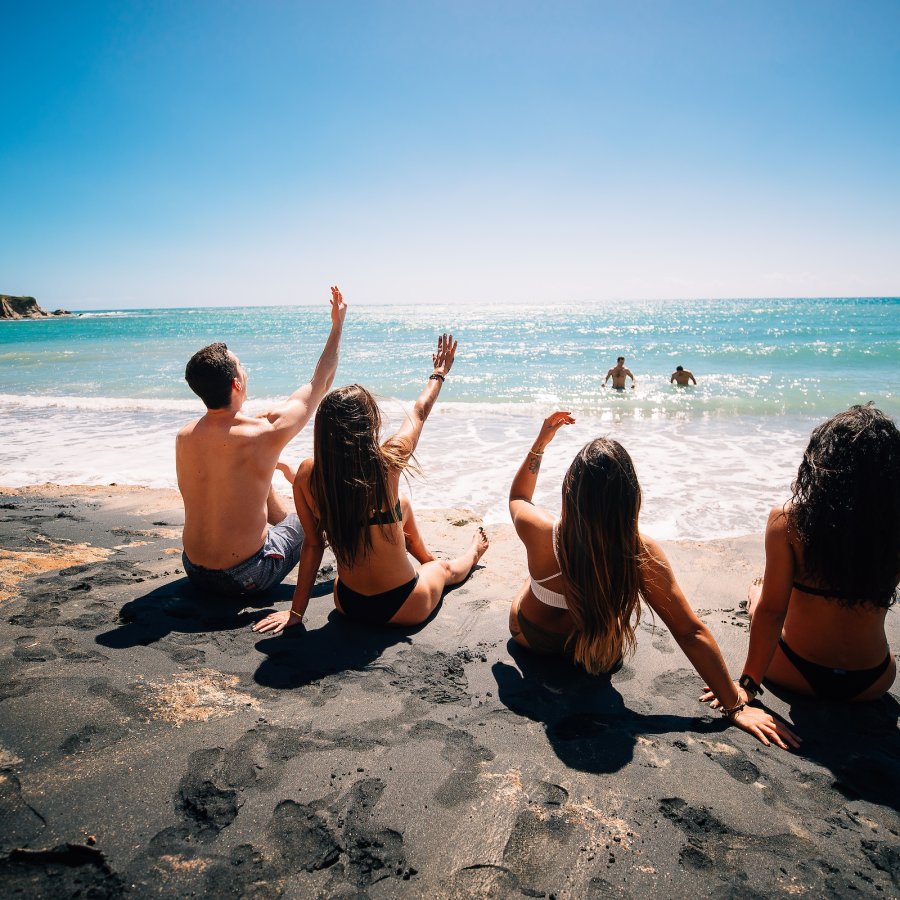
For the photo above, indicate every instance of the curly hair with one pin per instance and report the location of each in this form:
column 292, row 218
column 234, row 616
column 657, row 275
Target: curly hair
column 845, row 508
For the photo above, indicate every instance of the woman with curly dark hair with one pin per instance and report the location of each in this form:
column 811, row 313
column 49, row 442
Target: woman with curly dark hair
column 832, row 567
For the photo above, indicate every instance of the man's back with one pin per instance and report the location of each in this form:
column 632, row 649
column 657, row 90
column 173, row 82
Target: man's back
column 225, row 466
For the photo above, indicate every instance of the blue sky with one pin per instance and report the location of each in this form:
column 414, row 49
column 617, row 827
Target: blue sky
column 193, row 153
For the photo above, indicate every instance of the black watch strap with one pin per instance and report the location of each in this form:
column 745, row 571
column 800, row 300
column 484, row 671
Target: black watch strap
column 749, row 685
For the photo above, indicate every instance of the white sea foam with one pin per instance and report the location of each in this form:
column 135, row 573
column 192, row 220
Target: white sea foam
column 38, row 403
column 702, row 476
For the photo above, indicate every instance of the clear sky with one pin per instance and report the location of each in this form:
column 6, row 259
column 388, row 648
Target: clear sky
column 193, row 153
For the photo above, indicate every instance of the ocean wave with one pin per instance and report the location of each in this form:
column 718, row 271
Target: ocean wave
column 98, row 404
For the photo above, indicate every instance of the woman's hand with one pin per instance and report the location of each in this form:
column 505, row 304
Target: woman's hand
column 710, row 698
column 443, row 359
column 276, row 622
column 338, row 307
column 551, row 425
column 765, row 727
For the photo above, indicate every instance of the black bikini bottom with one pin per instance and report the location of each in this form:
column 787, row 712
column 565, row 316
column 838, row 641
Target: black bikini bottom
column 835, row 684
column 375, row 609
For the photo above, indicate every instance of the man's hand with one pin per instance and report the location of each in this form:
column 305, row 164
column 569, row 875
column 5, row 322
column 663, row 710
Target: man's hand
column 338, row 307
column 446, row 350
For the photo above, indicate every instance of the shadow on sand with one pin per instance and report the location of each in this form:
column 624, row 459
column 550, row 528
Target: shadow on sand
column 178, row 607
column 584, row 717
column 297, row 657
column 857, row 742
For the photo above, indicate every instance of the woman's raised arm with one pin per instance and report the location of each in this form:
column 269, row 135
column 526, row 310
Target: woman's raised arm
column 522, row 488
column 411, row 430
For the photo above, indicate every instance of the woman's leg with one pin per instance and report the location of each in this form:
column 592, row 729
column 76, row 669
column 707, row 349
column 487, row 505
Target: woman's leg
column 514, row 628
column 434, row 577
column 415, row 545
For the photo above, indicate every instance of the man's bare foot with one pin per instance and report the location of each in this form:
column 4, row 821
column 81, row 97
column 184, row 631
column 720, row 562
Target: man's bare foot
column 289, row 472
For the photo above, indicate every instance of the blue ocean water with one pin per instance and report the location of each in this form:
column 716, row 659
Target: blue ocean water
column 98, row 398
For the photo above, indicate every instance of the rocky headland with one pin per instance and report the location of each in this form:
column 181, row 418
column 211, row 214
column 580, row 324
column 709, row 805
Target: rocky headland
column 25, row 308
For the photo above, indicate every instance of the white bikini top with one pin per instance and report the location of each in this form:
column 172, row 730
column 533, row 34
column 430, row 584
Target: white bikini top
column 545, row 595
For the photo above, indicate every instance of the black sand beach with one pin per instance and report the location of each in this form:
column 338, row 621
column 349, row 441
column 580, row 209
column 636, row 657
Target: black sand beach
column 151, row 745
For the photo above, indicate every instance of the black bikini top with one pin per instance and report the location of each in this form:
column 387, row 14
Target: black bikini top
column 828, row 592
column 387, row 516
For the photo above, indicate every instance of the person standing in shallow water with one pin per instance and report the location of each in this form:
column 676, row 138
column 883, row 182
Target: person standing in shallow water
column 589, row 570
column 832, row 567
column 618, row 373
column 682, row 377
column 348, row 496
column 239, row 537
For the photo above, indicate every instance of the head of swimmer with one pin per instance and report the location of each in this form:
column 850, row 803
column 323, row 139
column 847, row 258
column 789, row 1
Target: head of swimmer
column 217, row 377
column 620, row 360
column 600, row 552
column 845, row 505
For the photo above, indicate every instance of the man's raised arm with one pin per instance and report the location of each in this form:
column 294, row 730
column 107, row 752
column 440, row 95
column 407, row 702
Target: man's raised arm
column 289, row 418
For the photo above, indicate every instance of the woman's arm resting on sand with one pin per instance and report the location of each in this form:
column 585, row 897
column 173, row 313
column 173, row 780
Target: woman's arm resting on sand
column 771, row 609
column 310, row 559
column 664, row 596
column 770, row 612
column 522, row 489
column 411, row 430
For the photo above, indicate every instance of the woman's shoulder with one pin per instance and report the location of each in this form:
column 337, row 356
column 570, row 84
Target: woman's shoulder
column 778, row 523
column 535, row 519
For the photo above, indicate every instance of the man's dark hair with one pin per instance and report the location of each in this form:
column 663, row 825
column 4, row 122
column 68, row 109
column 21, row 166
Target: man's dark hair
column 209, row 374
column 679, row 368
column 620, row 359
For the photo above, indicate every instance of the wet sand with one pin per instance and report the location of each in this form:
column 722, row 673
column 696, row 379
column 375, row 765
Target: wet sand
column 153, row 745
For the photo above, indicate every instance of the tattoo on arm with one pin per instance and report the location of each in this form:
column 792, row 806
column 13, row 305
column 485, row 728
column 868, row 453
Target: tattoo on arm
column 534, row 464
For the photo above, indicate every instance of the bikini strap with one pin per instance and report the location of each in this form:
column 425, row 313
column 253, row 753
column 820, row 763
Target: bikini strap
column 542, row 580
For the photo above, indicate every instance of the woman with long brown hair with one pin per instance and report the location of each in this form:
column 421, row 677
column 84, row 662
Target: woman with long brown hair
column 832, row 567
column 347, row 496
column 590, row 569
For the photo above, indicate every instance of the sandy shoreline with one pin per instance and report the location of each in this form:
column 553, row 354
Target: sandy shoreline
column 153, row 746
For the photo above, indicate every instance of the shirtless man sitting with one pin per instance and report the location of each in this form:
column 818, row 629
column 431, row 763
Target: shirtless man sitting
column 682, row 376
column 225, row 461
column 618, row 373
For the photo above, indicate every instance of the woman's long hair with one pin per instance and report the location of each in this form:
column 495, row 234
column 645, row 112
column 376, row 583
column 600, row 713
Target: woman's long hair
column 845, row 508
column 600, row 553
column 350, row 469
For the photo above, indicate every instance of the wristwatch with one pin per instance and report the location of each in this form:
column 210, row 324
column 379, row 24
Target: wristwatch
column 750, row 686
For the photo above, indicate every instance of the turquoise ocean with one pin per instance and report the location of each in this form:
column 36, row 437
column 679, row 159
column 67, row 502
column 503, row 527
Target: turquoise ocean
column 98, row 398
